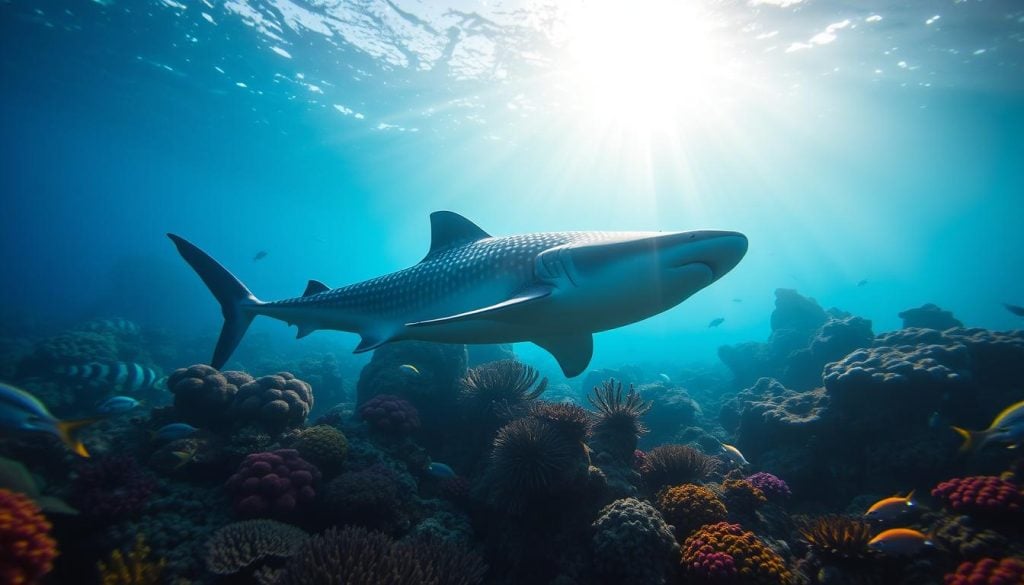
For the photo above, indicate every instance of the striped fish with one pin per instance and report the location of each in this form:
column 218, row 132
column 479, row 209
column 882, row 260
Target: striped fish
column 119, row 376
column 117, row 325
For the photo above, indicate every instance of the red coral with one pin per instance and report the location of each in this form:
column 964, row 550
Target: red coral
column 716, row 553
column 111, row 488
column 26, row 548
column 988, row 572
column 713, row 565
column 390, row 414
column 273, row 484
column 981, row 494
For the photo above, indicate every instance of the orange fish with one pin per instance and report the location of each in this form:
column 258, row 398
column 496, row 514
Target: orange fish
column 892, row 508
column 901, row 542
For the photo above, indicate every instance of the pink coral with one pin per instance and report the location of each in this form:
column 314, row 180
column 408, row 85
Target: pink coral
column 713, row 565
column 390, row 414
column 273, row 483
column 988, row 572
column 26, row 548
column 773, row 487
column 981, row 494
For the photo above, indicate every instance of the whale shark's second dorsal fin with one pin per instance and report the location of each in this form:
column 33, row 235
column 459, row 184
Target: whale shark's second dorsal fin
column 449, row 229
column 315, row 287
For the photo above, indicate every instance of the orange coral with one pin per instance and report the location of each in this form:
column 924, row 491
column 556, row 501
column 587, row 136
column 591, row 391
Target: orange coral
column 723, row 552
column 690, row 506
column 741, row 496
column 26, row 548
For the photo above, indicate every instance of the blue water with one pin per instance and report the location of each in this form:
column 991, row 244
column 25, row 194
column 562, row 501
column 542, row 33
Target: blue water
column 849, row 142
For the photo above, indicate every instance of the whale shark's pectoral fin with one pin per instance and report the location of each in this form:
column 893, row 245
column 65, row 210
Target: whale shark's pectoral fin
column 573, row 352
column 370, row 341
column 304, row 330
column 493, row 312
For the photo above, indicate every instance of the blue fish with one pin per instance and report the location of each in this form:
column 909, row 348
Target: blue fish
column 22, row 412
column 716, row 322
column 117, row 405
column 440, row 471
column 119, row 376
column 175, row 431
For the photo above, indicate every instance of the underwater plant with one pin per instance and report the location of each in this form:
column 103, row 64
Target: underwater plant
column 240, row 545
column 618, row 425
column 834, row 537
column 532, row 460
column 132, row 568
column 571, row 420
column 690, row 506
column 674, row 465
column 499, row 387
column 27, row 550
column 632, row 544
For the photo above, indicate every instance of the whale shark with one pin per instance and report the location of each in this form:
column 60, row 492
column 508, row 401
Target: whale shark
column 553, row 289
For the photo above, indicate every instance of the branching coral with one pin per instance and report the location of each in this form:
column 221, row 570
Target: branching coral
column 240, row 545
column 632, row 543
column 675, row 464
column 837, row 538
column 26, row 549
column 983, row 494
column 718, row 553
column 1008, row 571
column 690, row 506
column 499, row 386
column 132, row 568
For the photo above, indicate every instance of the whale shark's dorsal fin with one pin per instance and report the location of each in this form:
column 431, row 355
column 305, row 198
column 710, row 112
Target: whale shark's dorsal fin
column 449, row 229
column 315, row 287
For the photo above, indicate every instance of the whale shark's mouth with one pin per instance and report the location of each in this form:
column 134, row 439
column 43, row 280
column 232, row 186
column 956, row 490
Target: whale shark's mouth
column 695, row 269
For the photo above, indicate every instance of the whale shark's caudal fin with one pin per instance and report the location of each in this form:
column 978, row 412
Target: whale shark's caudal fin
column 234, row 298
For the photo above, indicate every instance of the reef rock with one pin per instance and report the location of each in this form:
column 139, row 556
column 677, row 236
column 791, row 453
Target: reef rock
column 929, row 316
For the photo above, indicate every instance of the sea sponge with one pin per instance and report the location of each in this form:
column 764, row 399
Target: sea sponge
column 1009, row 571
column 742, row 497
column 322, row 445
column 27, row 550
column 276, row 402
column 240, row 545
column 390, row 414
column 668, row 465
column 773, row 487
column 690, row 506
column 111, row 488
column 132, row 568
column 273, row 484
column 718, row 553
column 632, row 544
column 983, row 495
column 202, row 394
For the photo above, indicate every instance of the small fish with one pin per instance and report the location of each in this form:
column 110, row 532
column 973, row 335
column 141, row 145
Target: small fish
column 900, row 542
column 863, row 282
column 409, row 369
column 259, row 256
column 175, row 431
column 440, row 471
column 733, row 454
column 183, row 456
column 117, row 325
column 117, row 405
column 1008, row 427
column 22, row 412
column 716, row 322
column 889, row 509
column 1015, row 309
column 119, row 376
column 664, row 378
column 737, row 300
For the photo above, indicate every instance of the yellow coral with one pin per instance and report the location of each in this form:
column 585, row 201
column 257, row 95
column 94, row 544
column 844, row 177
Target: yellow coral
column 135, row 568
column 690, row 506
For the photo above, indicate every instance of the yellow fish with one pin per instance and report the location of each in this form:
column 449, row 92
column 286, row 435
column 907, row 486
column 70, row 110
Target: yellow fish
column 734, row 455
column 23, row 412
column 1008, row 427
column 892, row 508
column 900, row 542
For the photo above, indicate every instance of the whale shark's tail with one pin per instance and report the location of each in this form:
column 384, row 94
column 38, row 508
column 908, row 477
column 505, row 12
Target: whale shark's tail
column 236, row 301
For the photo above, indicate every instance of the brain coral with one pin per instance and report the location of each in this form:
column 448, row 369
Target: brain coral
column 322, row 445
column 717, row 553
column 239, row 545
column 988, row 572
column 632, row 543
column 26, row 548
column 273, row 483
column 390, row 414
column 274, row 402
column 983, row 494
column 690, row 506
column 202, row 395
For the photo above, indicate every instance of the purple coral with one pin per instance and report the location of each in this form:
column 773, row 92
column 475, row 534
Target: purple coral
column 112, row 487
column 714, row 566
column 273, row 484
column 390, row 414
column 773, row 487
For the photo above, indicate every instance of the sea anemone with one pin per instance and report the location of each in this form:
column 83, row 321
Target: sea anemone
column 690, row 506
column 497, row 387
column 26, row 548
column 569, row 419
column 837, row 538
column 675, row 464
column 531, row 460
column 618, row 415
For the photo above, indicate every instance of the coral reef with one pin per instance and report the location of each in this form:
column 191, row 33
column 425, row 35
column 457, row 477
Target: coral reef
column 202, row 395
column 1008, row 571
column 27, row 550
column 963, row 536
column 111, row 488
column 669, row 465
column 929, row 316
column 982, row 495
column 390, row 414
column 774, row 488
column 368, row 498
column 276, row 402
column 433, row 389
column 273, row 484
column 632, row 544
column 742, row 497
column 689, row 506
column 618, row 425
column 717, row 553
column 672, row 409
column 769, row 414
column 322, row 445
column 241, row 545
column 134, row 567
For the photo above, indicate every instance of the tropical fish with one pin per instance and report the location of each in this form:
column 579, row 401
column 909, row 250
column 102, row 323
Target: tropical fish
column 117, row 324
column 716, row 322
column 118, row 376
column 664, row 378
column 1015, row 309
column 737, row 300
column 900, row 542
column 552, row 289
column 862, row 283
column 888, row 509
column 1008, row 427
column 440, row 471
column 175, row 431
column 184, row 455
column 259, row 256
column 22, row 412
column 733, row 454
column 117, row 405
column 409, row 369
